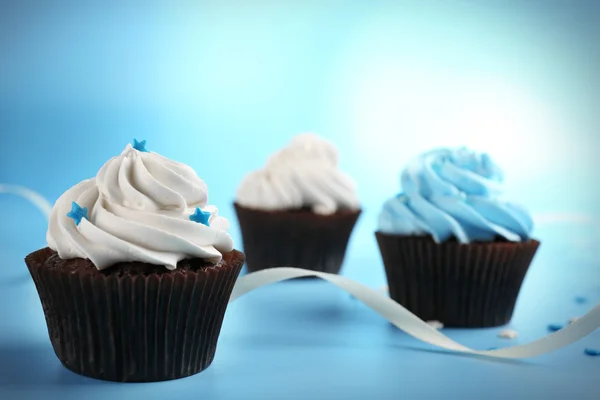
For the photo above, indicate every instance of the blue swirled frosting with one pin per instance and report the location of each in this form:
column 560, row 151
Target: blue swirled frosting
column 454, row 193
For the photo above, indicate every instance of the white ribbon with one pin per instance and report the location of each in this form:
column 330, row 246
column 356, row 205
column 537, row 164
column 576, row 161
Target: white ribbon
column 33, row 197
column 413, row 325
column 382, row 304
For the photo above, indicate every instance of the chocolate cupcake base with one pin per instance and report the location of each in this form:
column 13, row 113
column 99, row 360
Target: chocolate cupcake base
column 295, row 238
column 469, row 286
column 134, row 322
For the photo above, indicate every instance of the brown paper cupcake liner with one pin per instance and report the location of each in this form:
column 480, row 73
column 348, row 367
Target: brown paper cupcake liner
column 134, row 327
column 471, row 286
column 298, row 238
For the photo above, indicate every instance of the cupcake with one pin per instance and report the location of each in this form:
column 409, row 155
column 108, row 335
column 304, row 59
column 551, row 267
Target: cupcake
column 454, row 251
column 138, row 271
column 299, row 210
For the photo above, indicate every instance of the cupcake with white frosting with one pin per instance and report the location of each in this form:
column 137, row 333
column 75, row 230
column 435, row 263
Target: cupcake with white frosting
column 138, row 271
column 454, row 250
column 299, row 210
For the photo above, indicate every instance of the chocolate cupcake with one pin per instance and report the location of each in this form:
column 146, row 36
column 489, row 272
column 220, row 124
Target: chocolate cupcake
column 453, row 250
column 138, row 271
column 299, row 210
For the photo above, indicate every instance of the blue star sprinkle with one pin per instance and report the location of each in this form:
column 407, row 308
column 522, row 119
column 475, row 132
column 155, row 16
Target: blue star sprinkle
column 555, row 327
column 580, row 300
column 592, row 352
column 200, row 216
column 140, row 146
column 77, row 213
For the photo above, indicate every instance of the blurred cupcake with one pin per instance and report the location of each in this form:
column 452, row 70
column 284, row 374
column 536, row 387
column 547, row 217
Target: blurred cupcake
column 138, row 271
column 453, row 250
column 299, row 210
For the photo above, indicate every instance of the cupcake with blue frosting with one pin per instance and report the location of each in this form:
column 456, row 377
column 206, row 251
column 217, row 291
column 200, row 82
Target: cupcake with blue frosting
column 454, row 249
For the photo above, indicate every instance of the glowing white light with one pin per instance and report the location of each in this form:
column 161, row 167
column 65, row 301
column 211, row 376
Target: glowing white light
column 405, row 112
column 397, row 99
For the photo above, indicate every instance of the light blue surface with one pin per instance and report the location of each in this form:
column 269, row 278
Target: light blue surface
column 222, row 85
column 298, row 340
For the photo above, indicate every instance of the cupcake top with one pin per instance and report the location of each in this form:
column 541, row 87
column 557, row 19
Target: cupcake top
column 454, row 193
column 303, row 174
column 141, row 207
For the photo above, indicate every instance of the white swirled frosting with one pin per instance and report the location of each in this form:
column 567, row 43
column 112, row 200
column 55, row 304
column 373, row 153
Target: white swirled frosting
column 303, row 174
column 139, row 206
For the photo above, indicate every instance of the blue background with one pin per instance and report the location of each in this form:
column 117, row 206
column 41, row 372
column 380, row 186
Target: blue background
column 222, row 85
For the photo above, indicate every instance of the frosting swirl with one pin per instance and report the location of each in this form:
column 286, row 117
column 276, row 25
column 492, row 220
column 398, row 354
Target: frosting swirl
column 303, row 174
column 454, row 193
column 139, row 210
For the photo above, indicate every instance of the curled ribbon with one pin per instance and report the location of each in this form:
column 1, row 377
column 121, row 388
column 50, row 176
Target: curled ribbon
column 413, row 325
column 33, row 197
column 383, row 305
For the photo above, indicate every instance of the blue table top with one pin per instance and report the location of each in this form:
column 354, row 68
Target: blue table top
column 309, row 340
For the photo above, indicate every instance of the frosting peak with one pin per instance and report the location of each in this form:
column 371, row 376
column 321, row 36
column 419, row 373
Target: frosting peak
column 302, row 174
column 454, row 193
column 306, row 148
column 139, row 205
column 148, row 181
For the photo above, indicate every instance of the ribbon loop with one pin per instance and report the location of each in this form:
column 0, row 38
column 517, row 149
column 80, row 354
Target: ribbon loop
column 413, row 325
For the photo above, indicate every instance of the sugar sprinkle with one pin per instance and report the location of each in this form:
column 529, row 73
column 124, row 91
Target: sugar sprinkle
column 435, row 324
column 508, row 334
column 555, row 327
column 592, row 352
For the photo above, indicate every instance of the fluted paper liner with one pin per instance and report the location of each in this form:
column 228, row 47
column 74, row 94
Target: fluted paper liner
column 295, row 238
column 461, row 285
column 134, row 327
